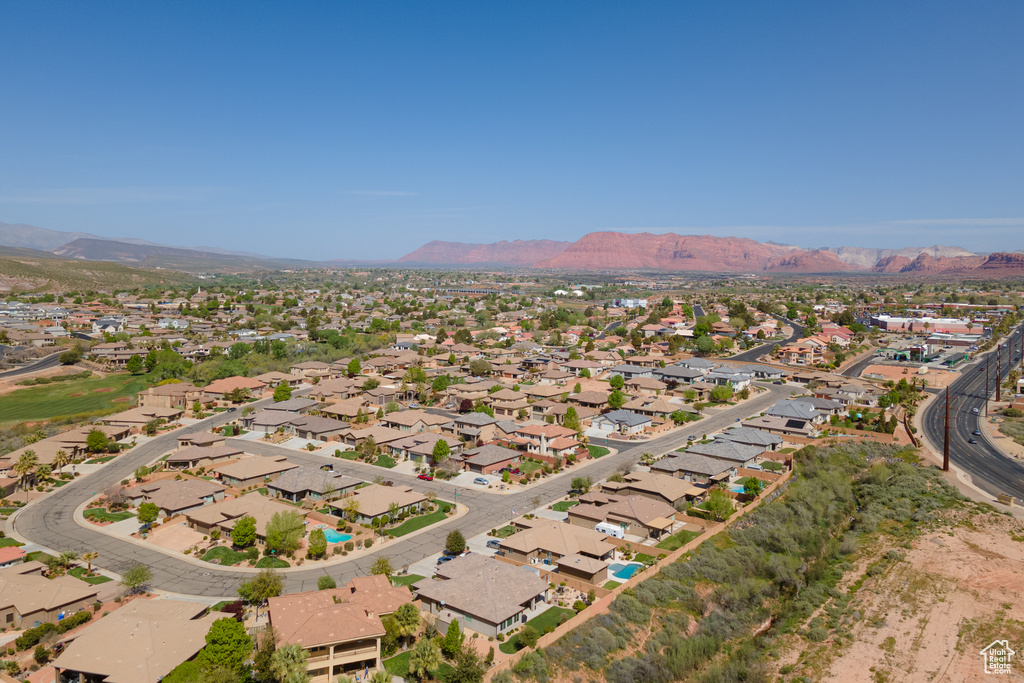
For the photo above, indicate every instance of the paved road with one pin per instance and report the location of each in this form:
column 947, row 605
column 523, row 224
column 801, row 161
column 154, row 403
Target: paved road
column 49, row 522
column 988, row 467
column 751, row 355
column 857, row 368
column 43, row 363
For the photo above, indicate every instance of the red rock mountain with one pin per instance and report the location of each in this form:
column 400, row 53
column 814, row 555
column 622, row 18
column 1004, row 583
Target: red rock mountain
column 671, row 252
column 891, row 264
column 514, row 253
column 926, row 263
column 616, row 250
column 1012, row 263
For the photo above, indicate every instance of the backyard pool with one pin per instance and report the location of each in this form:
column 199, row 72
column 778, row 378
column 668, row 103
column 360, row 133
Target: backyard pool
column 736, row 488
column 623, row 572
column 334, row 536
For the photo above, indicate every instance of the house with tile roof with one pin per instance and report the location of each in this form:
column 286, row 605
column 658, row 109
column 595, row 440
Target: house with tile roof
column 486, row 595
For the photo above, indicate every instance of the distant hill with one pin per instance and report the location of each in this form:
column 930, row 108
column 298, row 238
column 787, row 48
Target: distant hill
column 157, row 256
column 864, row 258
column 32, row 237
column 514, row 253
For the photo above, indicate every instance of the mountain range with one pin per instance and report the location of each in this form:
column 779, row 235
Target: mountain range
column 594, row 251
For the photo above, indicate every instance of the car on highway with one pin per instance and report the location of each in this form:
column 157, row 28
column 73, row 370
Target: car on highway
column 976, row 432
column 480, row 481
column 972, row 441
column 426, row 477
column 691, row 437
column 974, row 410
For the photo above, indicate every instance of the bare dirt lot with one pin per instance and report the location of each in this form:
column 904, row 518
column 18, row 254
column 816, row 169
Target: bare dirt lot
column 927, row 616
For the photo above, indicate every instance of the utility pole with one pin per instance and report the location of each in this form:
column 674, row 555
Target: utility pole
column 999, row 372
column 945, row 443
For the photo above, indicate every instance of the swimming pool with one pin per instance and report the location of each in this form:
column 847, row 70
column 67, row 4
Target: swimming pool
column 736, row 488
column 623, row 571
column 334, row 536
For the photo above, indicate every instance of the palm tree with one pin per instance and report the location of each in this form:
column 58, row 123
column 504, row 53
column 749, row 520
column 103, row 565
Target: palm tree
column 89, row 557
column 425, row 657
column 60, row 460
column 67, row 558
column 26, row 464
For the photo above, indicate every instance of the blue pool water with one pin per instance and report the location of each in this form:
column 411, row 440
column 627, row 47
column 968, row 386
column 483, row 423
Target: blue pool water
column 736, row 488
column 334, row 536
column 623, row 571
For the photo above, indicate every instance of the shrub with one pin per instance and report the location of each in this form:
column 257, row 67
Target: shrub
column 368, row 542
column 1013, row 412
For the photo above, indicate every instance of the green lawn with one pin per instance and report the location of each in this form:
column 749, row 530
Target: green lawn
column 350, row 455
column 543, row 622
column 399, row 666
column 612, row 584
column 269, row 562
column 414, row 523
column 677, row 541
column 104, row 515
column 504, row 532
column 39, row 556
column 529, row 466
column 598, row 451
column 4, row 542
column 384, row 461
column 226, row 555
column 79, row 573
column 93, row 395
column 101, row 460
column 645, row 558
column 7, row 511
column 406, row 580
column 564, row 505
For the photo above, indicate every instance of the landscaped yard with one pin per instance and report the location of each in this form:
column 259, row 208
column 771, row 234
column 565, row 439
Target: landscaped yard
column 645, row 558
column 269, row 562
column 529, row 466
column 420, row 521
column 504, row 532
column 597, row 451
column 226, row 555
column 612, row 584
column 4, row 542
column 104, row 515
column 564, row 505
column 677, row 541
column 72, row 398
column 39, row 556
column 406, row 580
column 384, row 461
column 543, row 622
column 79, row 573
column 399, row 666
column 100, row 460
column 349, row 455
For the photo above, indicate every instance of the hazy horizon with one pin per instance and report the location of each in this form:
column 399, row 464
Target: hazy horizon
column 327, row 131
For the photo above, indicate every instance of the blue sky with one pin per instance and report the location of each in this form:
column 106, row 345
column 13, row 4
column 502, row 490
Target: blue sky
column 363, row 130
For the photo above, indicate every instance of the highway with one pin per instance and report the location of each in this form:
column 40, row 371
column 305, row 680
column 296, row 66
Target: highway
column 988, row 467
column 49, row 522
